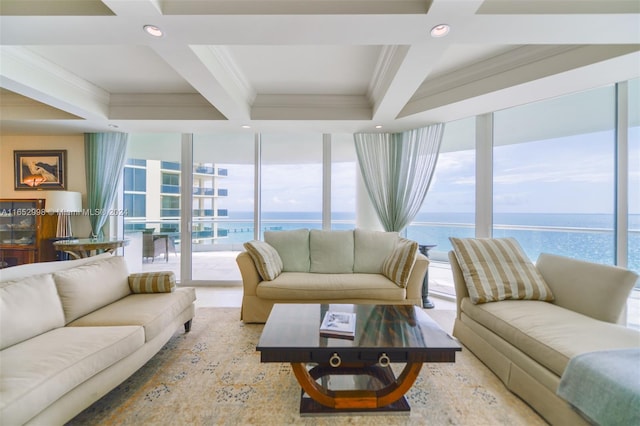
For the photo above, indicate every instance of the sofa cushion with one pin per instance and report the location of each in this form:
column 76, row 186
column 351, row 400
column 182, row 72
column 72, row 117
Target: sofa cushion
column 152, row 282
column 398, row 265
column 371, row 250
column 266, row 259
column 152, row 311
column 28, row 307
column 548, row 333
column 292, row 247
column 497, row 269
column 314, row 287
column 331, row 252
column 92, row 286
column 38, row 371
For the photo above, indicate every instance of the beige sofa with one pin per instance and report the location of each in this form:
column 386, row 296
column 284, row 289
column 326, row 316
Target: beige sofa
column 328, row 267
column 72, row 331
column 528, row 343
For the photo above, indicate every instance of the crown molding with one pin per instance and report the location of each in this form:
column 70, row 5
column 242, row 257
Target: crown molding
column 385, row 70
column 148, row 106
column 311, row 107
column 233, row 71
column 525, row 64
column 31, row 75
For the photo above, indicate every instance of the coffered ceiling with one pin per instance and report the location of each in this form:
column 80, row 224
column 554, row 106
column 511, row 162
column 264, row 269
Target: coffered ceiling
column 69, row 66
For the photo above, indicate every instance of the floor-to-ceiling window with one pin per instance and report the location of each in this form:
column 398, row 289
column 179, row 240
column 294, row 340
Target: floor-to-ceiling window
column 449, row 208
column 223, row 203
column 152, row 188
column 554, row 175
column 633, row 246
column 291, row 176
column 343, row 181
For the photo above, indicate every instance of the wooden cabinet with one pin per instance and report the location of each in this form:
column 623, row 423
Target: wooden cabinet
column 26, row 232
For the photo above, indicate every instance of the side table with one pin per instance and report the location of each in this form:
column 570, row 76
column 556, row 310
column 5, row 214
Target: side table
column 426, row 303
column 87, row 247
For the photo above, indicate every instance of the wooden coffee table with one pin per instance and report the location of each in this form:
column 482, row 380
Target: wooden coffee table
column 384, row 334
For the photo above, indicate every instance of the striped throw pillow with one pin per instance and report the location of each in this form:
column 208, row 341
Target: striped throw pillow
column 497, row 269
column 266, row 259
column 398, row 265
column 152, row 282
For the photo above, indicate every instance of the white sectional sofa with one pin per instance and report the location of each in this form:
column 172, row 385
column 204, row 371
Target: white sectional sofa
column 331, row 267
column 72, row 331
column 529, row 343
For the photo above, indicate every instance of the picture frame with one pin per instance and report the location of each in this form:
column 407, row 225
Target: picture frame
column 40, row 169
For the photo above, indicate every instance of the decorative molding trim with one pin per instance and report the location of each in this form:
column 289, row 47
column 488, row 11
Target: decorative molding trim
column 306, row 7
column 505, row 62
column 501, row 72
column 182, row 106
column 311, row 107
column 228, row 63
column 30, row 61
column 388, row 63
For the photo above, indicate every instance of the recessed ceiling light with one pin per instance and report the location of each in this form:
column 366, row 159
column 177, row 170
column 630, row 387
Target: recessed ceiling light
column 379, row 126
column 113, row 126
column 246, row 126
column 440, row 30
column 153, row 30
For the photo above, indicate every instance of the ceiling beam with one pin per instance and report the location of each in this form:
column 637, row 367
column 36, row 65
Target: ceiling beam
column 30, row 75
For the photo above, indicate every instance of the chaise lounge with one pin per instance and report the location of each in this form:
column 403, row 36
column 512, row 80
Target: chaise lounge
column 529, row 342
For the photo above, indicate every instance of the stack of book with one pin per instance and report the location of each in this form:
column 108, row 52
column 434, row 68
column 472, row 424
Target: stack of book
column 338, row 324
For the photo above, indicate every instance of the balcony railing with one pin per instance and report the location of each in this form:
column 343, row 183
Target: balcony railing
column 210, row 170
column 170, row 189
column 221, row 192
column 209, row 213
column 169, row 165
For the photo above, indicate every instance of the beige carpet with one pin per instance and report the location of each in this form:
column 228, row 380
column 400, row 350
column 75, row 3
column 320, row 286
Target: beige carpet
column 213, row 376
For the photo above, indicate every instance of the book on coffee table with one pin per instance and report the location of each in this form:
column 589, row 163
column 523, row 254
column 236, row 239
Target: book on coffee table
column 338, row 324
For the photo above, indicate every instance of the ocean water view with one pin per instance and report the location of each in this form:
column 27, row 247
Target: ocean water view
column 583, row 236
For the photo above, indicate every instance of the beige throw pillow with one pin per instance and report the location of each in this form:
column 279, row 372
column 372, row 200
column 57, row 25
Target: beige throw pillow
column 266, row 259
column 371, row 250
column 152, row 282
column 497, row 269
column 331, row 252
column 398, row 265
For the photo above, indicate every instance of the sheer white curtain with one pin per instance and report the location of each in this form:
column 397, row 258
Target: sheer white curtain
column 397, row 169
column 105, row 155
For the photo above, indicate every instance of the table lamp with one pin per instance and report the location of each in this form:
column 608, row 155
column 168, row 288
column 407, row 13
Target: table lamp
column 64, row 203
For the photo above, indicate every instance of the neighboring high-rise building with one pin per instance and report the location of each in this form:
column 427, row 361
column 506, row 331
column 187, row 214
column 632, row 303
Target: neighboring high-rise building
column 152, row 198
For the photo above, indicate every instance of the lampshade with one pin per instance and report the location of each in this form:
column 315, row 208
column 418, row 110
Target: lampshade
column 63, row 202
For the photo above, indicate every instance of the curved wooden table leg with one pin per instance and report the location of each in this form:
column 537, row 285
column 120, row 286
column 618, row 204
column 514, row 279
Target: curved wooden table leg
column 359, row 399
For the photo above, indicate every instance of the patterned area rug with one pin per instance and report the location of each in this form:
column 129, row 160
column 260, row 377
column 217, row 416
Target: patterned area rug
column 213, row 376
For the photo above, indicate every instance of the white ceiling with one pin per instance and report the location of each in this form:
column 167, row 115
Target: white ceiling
column 69, row 66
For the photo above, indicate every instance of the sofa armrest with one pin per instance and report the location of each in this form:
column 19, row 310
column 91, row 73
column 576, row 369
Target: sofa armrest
column 599, row 291
column 414, row 285
column 250, row 276
column 458, row 281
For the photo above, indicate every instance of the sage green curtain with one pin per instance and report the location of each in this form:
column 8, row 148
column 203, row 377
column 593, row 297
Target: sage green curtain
column 397, row 169
column 105, row 155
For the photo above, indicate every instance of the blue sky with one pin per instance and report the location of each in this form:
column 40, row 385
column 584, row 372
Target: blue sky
column 563, row 175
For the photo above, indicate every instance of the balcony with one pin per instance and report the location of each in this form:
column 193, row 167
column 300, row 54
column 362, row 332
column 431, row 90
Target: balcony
column 169, row 165
column 204, row 170
column 203, row 191
column 170, row 189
